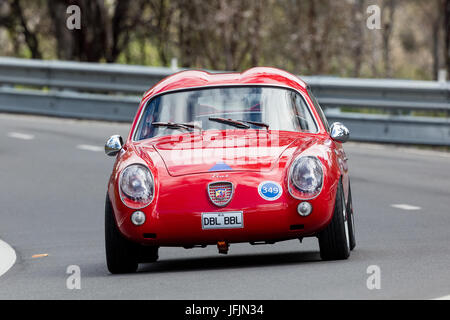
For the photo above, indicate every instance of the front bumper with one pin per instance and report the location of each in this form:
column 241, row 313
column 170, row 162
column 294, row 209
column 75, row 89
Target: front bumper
column 174, row 219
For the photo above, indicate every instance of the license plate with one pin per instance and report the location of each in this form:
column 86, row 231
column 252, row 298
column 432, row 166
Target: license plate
column 222, row 220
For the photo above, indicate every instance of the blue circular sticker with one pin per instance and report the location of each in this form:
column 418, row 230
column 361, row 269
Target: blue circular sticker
column 270, row 190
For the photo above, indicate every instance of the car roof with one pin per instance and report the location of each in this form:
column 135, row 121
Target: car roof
column 263, row 76
column 198, row 78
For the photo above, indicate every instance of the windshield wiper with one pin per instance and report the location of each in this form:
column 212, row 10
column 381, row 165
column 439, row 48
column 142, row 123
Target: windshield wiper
column 256, row 123
column 243, row 124
column 231, row 122
column 191, row 125
column 173, row 125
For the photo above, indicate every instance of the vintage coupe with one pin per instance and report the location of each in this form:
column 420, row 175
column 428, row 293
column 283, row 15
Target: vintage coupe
column 215, row 159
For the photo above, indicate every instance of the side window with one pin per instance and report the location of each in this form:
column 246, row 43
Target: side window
column 303, row 114
column 145, row 128
column 319, row 110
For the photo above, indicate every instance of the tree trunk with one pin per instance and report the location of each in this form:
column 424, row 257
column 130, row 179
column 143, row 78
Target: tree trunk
column 64, row 41
column 387, row 33
column 436, row 28
column 30, row 37
column 447, row 35
column 358, row 11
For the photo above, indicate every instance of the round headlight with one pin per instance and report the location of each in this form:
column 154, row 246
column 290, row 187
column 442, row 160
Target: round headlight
column 307, row 176
column 136, row 186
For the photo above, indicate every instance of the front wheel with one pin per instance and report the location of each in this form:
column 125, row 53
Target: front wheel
column 351, row 219
column 121, row 254
column 334, row 241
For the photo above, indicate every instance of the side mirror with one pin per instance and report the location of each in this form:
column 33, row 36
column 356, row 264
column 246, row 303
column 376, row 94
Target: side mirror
column 339, row 132
column 113, row 145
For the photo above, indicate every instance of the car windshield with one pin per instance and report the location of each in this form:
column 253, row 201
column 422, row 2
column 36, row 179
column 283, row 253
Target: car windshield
column 250, row 107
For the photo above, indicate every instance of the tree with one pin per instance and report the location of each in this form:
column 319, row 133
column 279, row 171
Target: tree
column 15, row 21
column 160, row 25
column 222, row 34
column 302, row 36
column 388, row 27
column 447, row 34
column 105, row 30
column 357, row 41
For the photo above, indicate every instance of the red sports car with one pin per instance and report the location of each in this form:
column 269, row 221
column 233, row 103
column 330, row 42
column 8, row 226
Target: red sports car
column 215, row 159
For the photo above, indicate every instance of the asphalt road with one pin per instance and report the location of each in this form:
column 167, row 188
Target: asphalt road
column 53, row 178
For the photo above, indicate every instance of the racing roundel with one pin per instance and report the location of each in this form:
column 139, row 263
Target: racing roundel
column 270, row 190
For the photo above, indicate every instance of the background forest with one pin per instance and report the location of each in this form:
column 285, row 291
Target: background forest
column 302, row 36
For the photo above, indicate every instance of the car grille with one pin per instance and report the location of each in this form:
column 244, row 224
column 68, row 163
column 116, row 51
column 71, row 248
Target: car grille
column 220, row 193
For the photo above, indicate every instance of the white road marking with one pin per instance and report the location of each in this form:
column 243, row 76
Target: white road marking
column 7, row 257
column 22, row 136
column 88, row 147
column 405, row 207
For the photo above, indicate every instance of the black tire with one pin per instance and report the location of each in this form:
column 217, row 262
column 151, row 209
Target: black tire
column 351, row 219
column 121, row 254
column 334, row 239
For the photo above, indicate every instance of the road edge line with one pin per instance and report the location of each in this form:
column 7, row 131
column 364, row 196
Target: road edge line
column 7, row 257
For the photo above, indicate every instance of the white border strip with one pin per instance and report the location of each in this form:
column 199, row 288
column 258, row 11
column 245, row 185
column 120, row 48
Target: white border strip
column 443, row 298
column 7, row 257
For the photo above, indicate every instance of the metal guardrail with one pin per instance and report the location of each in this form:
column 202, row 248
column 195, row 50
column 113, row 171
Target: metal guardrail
column 110, row 92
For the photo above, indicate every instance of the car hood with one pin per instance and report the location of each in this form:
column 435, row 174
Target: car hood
column 230, row 150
